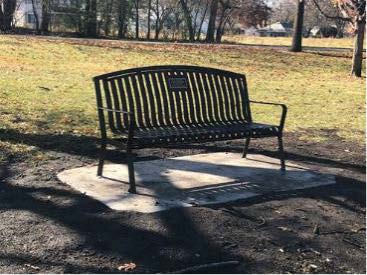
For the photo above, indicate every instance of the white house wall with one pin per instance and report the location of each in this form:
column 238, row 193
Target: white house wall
column 24, row 8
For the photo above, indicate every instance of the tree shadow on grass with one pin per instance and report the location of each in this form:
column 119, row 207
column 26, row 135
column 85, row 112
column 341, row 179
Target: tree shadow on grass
column 346, row 55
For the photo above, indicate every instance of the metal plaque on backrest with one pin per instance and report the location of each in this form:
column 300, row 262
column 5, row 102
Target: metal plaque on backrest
column 177, row 83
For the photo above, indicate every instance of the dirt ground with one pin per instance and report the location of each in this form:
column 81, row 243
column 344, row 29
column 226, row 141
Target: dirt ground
column 46, row 227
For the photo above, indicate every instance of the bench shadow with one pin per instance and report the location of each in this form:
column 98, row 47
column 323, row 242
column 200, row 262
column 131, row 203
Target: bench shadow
column 262, row 184
column 289, row 155
column 88, row 146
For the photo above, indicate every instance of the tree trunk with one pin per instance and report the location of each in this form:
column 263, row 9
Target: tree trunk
column 8, row 14
column 46, row 16
column 220, row 26
column 158, row 30
column 212, row 18
column 358, row 49
column 108, row 17
column 35, row 13
column 91, row 26
column 340, row 25
column 1, row 19
column 137, row 19
column 157, row 20
column 122, row 12
column 198, row 35
column 298, row 27
column 188, row 20
column 79, row 21
column 220, row 32
column 149, row 14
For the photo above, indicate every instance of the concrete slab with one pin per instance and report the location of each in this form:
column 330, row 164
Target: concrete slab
column 190, row 181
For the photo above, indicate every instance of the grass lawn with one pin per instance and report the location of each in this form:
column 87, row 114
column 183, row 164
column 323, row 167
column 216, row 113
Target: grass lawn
column 287, row 41
column 46, row 85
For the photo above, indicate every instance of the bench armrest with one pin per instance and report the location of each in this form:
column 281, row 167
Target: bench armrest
column 284, row 111
column 131, row 120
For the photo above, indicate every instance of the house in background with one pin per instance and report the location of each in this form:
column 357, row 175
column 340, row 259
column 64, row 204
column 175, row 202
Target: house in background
column 278, row 29
column 250, row 31
column 25, row 12
column 24, row 15
column 327, row 31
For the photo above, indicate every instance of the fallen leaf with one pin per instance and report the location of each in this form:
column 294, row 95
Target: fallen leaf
column 127, row 267
column 32, row 266
column 283, row 228
column 312, row 266
column 44, row 88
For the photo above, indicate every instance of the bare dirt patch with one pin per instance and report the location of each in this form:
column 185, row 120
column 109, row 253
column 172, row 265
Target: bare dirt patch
column 47, row 227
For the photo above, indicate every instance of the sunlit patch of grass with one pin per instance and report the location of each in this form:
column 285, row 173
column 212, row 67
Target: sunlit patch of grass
column 46, row 86
column 287, row 41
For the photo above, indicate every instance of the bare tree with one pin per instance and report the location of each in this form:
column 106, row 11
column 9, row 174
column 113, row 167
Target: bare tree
column 257, row 12
column 177, row 19
column 228, row 9
column 284, row 11
column 108, row 16
column 212, row 19
column 35, row 14
column 203, row 16
column 136, row 6
column 46, row 15
column 354, row 12
column 188, row 19
column 149, row 17
column 313, row 17
column 225, row 11
column 91, row 18
column 162, row 10
column 123, row 8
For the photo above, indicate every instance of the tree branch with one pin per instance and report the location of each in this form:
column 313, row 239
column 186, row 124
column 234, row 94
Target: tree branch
column 330, row 16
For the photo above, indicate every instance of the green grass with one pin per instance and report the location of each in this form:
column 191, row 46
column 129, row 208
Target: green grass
column 287, row 41
column 46, row 86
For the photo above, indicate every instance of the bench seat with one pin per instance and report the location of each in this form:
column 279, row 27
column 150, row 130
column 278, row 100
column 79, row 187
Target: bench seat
column 200, row 133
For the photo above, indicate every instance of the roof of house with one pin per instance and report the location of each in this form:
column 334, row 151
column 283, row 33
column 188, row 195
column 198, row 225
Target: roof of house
column 280, row 27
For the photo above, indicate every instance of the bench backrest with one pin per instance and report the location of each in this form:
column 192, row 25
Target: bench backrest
column 173, row 95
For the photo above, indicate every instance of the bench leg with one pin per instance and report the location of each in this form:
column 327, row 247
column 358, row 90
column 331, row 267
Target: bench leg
column 281, row 153
column 246, row 147
column 130, row 165
column 102, row 154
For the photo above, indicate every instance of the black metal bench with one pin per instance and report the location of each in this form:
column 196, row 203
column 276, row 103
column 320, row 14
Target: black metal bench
column 162, row 105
